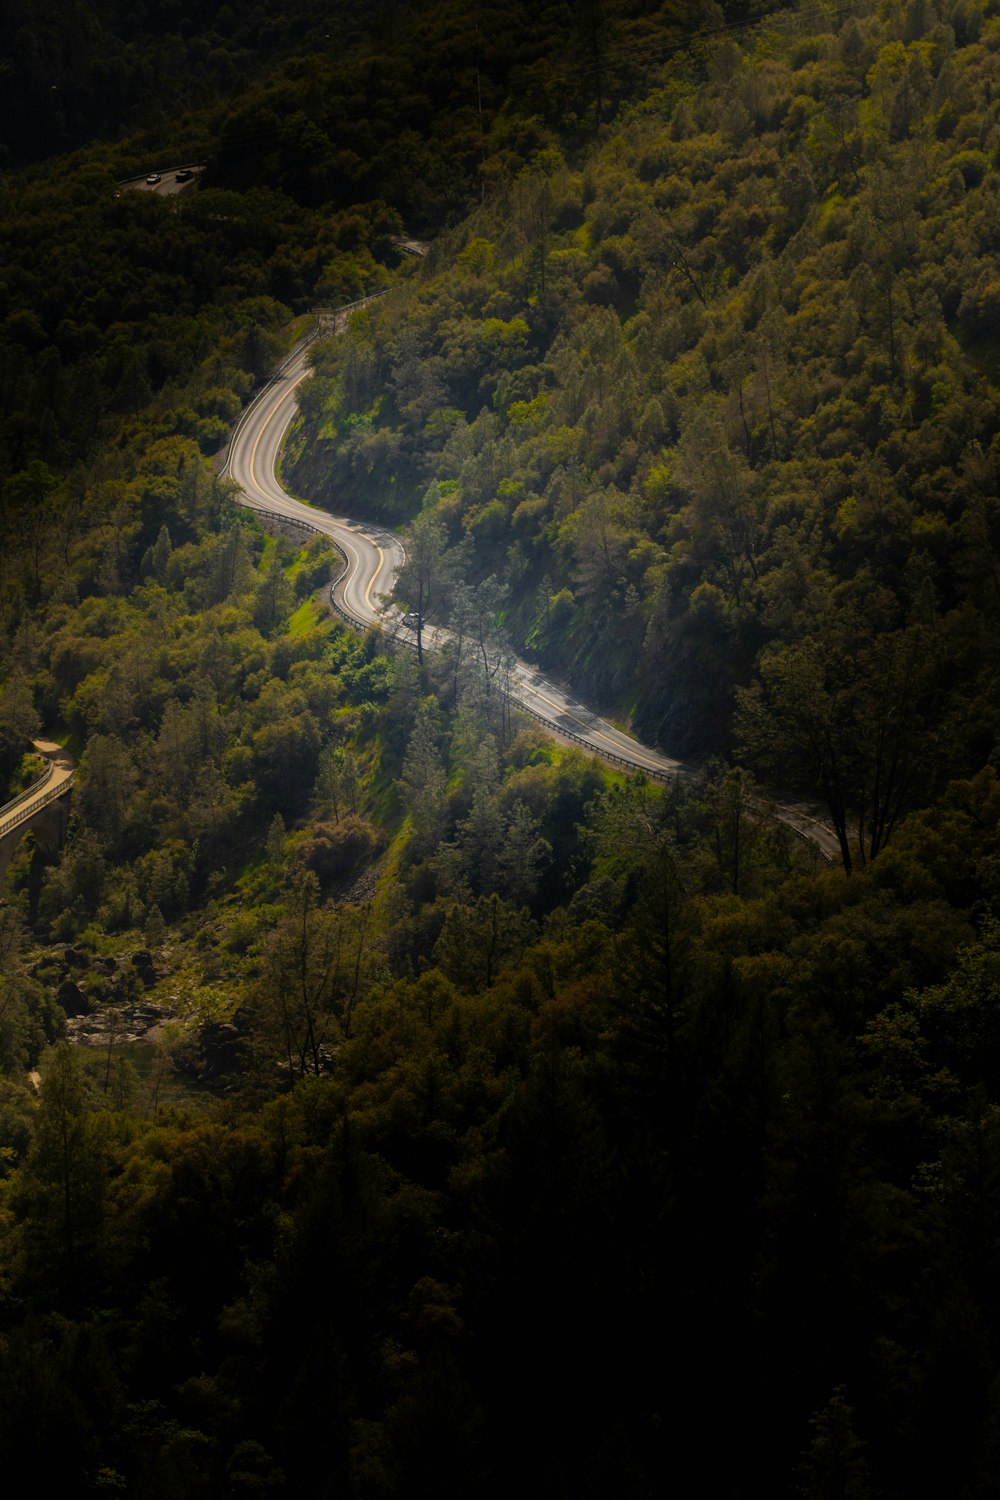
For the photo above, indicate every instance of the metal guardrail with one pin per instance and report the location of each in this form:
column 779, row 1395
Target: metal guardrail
column 663, row 776
column 654, row 773
column 360, row 625
column 276, row 515
column 28, row 792
column 22, row 815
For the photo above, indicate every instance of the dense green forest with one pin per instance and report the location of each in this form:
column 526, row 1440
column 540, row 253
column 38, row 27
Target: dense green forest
column 77, row 72
column 717, row 404
column 393, row 1098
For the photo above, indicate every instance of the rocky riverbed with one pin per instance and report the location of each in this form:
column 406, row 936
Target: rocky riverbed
column 106, row 999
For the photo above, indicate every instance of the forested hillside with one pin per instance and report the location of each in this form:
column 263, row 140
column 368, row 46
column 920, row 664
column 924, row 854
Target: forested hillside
column 75, row 72
column 717, row 404
column 393, row 1099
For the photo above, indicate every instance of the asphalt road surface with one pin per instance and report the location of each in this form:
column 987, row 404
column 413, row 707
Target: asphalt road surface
column 58, row 778
column 166, row 183
column 374, row 554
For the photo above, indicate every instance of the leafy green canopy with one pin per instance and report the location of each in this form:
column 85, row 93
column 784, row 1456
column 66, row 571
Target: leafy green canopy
column 592, row 1070
column 717, row 404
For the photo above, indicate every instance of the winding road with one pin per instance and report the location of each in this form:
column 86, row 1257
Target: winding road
column 374, row 554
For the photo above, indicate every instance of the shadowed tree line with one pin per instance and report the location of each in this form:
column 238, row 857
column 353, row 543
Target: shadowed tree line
column 511, row 1119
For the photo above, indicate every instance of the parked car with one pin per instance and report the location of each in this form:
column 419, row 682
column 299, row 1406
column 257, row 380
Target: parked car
column 412, row 621
column 152, row 179
column 184, row 175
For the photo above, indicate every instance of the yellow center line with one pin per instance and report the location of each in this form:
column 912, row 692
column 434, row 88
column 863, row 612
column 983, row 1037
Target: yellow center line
column 371, row 584
column 253, row 451
column 267, row 422
column 564, row 712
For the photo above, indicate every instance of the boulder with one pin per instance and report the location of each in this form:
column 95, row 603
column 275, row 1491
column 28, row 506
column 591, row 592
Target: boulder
column 145, row 969
column 72, row 999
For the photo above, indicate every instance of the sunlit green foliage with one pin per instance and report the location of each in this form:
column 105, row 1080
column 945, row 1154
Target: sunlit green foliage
column 728, row 377
column 545, row 1115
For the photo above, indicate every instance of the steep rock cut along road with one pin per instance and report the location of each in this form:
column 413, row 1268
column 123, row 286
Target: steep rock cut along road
column 373, row 556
